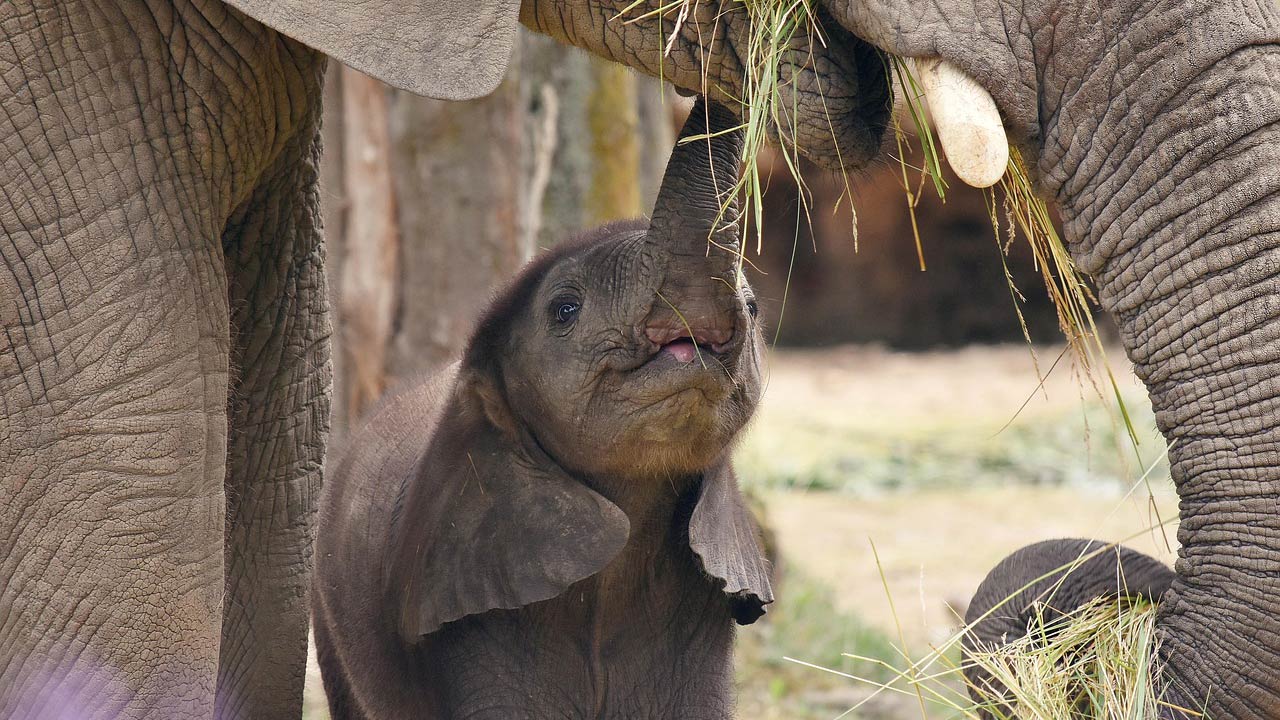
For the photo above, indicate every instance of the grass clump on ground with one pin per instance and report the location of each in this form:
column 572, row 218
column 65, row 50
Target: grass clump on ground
column 806, row 623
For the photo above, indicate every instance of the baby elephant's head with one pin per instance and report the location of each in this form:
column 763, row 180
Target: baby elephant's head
column 634, row 351
column 612, row 368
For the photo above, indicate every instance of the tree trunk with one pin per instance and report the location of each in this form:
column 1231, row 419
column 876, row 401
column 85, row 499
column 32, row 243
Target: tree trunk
column 368, row 275
column 459, row 168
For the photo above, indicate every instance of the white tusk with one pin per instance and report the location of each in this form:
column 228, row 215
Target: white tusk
column 966, row 119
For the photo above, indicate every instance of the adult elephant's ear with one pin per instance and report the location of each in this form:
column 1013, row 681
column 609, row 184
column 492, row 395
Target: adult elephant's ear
column 447, row 49
column 726, row 539
column 485, row 525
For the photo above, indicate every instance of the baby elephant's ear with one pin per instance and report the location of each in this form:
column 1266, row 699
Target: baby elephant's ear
column 484, row 526
column 726, row 539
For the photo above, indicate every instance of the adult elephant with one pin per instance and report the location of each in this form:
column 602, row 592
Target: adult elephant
column 163, row 366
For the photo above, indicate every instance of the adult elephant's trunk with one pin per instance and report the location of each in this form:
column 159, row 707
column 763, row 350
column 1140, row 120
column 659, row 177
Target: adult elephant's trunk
column 834, row 101
column 1156, row 127
column 1180, row 225
column 1037, row 587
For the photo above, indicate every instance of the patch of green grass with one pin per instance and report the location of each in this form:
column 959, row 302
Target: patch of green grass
column 806, row 624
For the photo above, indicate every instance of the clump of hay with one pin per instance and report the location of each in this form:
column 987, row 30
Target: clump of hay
column 1097, row 662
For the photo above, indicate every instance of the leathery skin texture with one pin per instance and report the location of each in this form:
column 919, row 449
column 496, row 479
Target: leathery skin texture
column 135, row 205
column 1155, row 125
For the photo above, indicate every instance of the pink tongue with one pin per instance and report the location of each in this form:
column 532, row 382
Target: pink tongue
column 683, row 350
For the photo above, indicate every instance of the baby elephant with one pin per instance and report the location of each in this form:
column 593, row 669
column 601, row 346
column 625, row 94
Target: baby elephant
column 551, row 528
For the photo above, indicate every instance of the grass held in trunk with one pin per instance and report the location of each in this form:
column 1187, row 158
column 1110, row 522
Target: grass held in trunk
column 1095, row 663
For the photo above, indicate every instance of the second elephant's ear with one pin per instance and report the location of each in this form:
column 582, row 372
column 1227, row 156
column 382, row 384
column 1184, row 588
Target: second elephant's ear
column 726, row 539
column 486, row 526
column 447, row 49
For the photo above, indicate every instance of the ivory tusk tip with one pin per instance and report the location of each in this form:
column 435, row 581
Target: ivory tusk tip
column 967, row 120
column 977, row 154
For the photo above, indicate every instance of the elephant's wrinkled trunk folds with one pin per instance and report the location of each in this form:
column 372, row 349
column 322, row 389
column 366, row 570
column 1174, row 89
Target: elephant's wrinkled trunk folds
column 1170, row 194
column 696, row 212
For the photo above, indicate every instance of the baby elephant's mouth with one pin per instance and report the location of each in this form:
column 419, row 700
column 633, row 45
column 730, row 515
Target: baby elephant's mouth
column 684, row 350
column 687, row 344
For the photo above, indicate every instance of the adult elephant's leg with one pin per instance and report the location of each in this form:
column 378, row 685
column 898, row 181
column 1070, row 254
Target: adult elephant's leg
column 279, row 414
column 113, row 381
column 113, row 376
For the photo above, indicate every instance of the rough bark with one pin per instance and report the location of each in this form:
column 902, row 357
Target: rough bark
column 460, row 173
column 596, row 172
column 369, row 274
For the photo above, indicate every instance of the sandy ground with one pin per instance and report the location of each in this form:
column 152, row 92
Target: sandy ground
column 934, row 544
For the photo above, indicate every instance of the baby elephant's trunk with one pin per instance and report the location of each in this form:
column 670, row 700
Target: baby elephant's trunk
column 695, row 222
column 696, row 213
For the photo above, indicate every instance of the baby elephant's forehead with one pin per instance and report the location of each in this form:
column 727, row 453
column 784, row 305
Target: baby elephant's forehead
column 607, row 260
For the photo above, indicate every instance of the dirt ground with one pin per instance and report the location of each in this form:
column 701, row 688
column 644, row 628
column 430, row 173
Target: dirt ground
column 921, row 454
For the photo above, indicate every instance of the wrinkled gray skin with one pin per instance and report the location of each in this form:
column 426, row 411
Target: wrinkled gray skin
column 551, row 528
column 1156, row 128
column 163, row 366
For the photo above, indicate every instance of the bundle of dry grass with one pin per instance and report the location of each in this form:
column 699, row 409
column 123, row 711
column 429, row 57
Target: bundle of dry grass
column 1098, row 663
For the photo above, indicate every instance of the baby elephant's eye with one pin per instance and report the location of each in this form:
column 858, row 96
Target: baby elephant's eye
column 752, row 308
column 566, row 311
